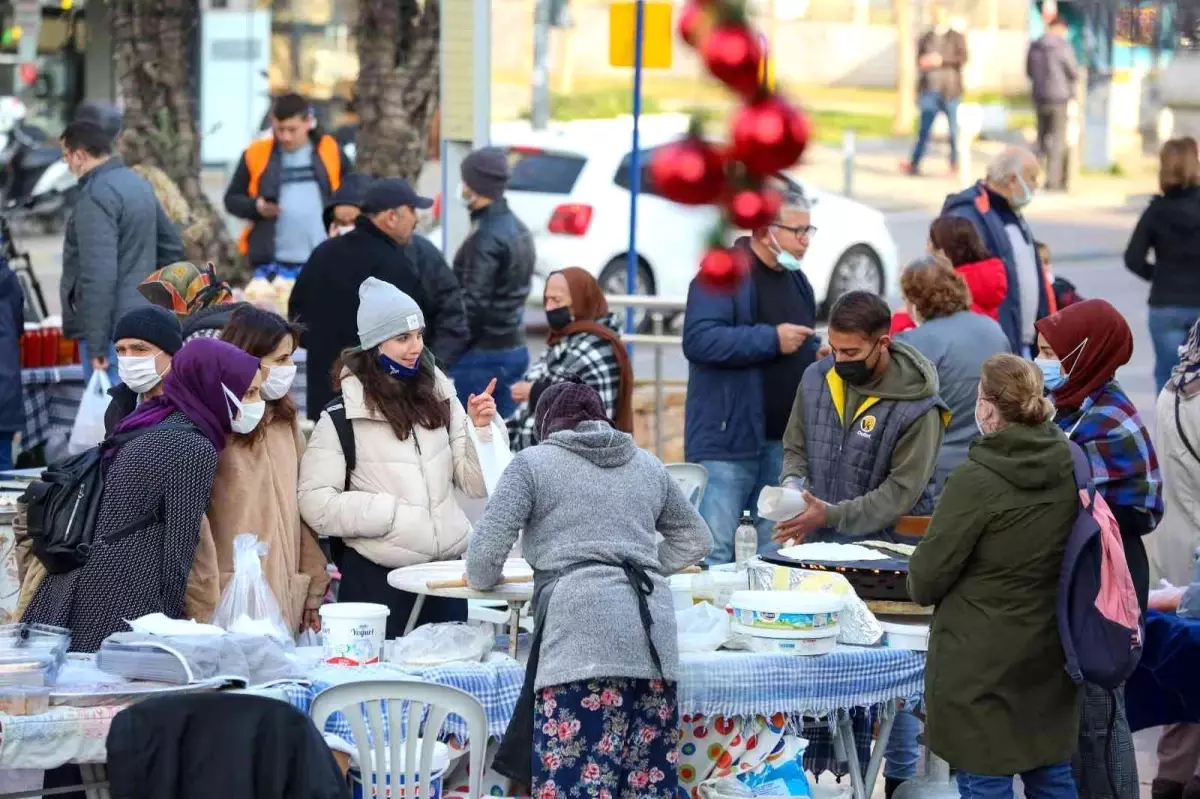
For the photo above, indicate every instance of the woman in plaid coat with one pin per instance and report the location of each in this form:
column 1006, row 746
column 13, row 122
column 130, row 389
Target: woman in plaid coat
column 1080, row 349
column 584, row 342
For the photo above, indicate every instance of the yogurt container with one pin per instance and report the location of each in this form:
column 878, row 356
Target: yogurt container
column 394, row 785
column 354, row 632
column 811, row 614
column 906, row 635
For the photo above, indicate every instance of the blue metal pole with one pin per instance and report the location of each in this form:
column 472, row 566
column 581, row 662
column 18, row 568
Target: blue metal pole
column 635, row 163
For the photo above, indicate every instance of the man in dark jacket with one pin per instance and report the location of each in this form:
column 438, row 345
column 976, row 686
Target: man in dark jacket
column 941, row 55
column 116, row 236
column 12, row 326
column 382, row 245
column 1052, row 70
column 746, row 352
column 147, row 340
column 994, row 206
column 282, row 185
column 494, row 266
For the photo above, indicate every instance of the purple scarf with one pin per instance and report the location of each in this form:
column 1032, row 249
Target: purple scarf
column 193, row 386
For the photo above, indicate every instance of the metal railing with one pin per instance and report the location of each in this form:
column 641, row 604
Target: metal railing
column 658, row 308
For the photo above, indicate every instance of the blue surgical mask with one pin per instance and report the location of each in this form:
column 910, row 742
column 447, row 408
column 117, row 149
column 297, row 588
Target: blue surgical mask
column 1026, row 195
column 784, row 258
column 1052, row 373
column 398, row 370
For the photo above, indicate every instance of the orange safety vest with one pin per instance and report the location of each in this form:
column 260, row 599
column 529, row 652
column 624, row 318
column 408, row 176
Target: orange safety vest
column 258, row 155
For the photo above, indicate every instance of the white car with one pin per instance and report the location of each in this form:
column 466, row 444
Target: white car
column 570, row 186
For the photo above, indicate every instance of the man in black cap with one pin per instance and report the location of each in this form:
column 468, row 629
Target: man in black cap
column 494, row 266
column 147, row 339
column 382, row 245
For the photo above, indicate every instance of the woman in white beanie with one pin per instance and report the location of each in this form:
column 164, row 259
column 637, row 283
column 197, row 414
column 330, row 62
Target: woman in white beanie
column 394, row 505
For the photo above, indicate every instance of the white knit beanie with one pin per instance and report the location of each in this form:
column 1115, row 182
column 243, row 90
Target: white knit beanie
column 385, row 312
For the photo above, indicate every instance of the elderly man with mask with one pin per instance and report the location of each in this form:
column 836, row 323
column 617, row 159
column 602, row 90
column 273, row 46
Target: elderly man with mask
column 994, row 205
column 746, row 352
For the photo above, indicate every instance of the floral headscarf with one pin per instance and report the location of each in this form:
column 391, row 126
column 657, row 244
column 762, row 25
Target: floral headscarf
column 1186, row 377
column 184, row 288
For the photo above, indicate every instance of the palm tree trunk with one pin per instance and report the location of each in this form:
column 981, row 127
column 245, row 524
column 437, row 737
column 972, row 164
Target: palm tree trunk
column 397, row 91
column 152, row 41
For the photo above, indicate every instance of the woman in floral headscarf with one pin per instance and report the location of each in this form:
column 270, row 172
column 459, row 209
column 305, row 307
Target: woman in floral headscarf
column 196, row 295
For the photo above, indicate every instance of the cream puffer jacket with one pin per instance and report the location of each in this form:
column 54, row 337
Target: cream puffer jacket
column 400, row 509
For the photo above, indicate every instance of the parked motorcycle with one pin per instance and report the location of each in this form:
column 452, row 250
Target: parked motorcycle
column 35, row 183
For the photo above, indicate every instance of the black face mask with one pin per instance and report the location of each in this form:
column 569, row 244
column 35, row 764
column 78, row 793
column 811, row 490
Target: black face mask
column 856, row 373
column 558, row 318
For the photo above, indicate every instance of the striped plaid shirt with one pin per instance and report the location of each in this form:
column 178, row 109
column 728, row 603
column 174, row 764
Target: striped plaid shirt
column 583, row 354
column 1124, row 464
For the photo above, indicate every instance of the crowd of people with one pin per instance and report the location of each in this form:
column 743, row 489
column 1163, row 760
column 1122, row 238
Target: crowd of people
column 963, row 405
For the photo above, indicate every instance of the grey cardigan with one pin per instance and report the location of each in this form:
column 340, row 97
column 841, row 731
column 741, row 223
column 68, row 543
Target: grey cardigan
column 117, row 234
column 591, row 494
column 957, row 345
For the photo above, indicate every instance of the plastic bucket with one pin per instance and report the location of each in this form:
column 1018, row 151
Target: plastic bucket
column 393, row 782
column 354, row 632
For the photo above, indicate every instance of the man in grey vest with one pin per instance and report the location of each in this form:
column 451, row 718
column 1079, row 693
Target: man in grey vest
column 865, row 430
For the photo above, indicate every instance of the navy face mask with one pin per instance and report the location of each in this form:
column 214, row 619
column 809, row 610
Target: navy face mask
column 398, row 370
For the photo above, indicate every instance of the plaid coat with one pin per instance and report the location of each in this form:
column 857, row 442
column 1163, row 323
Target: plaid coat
column 583, row 354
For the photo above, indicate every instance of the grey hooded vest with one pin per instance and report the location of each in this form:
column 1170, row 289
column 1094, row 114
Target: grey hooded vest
column 847, row 462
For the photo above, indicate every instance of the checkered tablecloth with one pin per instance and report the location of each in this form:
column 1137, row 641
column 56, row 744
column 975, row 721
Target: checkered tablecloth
column 496, row 684
column 745, row 684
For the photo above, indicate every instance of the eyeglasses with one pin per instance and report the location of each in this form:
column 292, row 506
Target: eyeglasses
column 800, row 231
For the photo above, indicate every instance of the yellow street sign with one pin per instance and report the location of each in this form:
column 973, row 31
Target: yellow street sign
column 766, row 67
column 657, row 35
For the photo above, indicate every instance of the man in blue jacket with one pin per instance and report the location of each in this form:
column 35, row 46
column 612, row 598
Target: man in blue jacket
column 994, row 206
column 746, row 353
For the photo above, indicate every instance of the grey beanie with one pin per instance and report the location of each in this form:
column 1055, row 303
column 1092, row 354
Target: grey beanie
column 385, row 312
column 485, row 171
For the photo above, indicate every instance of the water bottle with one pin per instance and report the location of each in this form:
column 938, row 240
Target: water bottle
column 704, row 589
column 745, row 541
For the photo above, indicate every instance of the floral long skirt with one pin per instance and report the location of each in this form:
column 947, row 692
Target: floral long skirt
column 606, row 738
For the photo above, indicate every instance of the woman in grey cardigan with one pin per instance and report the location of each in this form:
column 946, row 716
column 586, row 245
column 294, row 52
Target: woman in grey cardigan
column 957, row 342
column 601, row 677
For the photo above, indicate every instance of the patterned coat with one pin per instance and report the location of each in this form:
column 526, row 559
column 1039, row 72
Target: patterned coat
column 583, row 354
column 146, row 571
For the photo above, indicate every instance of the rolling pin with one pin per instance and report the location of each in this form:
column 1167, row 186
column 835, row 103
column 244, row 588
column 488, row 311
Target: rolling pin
column 437, row 585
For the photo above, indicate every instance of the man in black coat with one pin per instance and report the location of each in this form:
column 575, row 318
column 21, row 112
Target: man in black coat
column 382, row 245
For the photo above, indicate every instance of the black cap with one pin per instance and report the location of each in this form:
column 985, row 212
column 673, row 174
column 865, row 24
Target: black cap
column 153, row 324
column 387, row 193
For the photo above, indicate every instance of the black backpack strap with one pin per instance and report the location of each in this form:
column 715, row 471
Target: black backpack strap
column 336, row 409
column 1179, row 428
column 156, row 515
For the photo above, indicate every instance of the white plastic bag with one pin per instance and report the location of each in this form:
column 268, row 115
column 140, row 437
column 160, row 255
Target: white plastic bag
column 702, row 628
column 247, row 604
column 494, row 455
column 437, row 644
column 88, row 430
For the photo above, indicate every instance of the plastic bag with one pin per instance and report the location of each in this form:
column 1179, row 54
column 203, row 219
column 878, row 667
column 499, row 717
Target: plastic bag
column 702, row 628
column 724, row 788
column 494, row 455
column 247, row 604
column 88, row 430
column 435, row 644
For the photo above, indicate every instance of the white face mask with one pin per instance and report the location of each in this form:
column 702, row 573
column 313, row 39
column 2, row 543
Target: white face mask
column 138, row 372
column 278, row 382
column 342, row 230
column 244, row 416
column 461, row 193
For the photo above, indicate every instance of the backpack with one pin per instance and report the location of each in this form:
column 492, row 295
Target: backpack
column 62, row 507
column 1099, row 619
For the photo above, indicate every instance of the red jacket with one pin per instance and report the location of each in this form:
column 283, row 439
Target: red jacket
column 988, row 283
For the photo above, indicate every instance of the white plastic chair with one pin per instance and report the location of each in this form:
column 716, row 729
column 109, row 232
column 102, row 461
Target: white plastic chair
column 439, row 700
column 692, row 478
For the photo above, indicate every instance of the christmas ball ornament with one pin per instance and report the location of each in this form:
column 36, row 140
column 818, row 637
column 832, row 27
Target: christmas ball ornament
column 689, row 171
column 695, row 22
column 752, row 208
column 723, row 269
column 769, row 135
column 733, row 53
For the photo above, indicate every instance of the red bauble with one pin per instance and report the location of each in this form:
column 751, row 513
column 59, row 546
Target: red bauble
column 754, row 208
column 723, row 269
column 694, row 23
column 769, row 135
column 690, row 171
column 733, row 53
